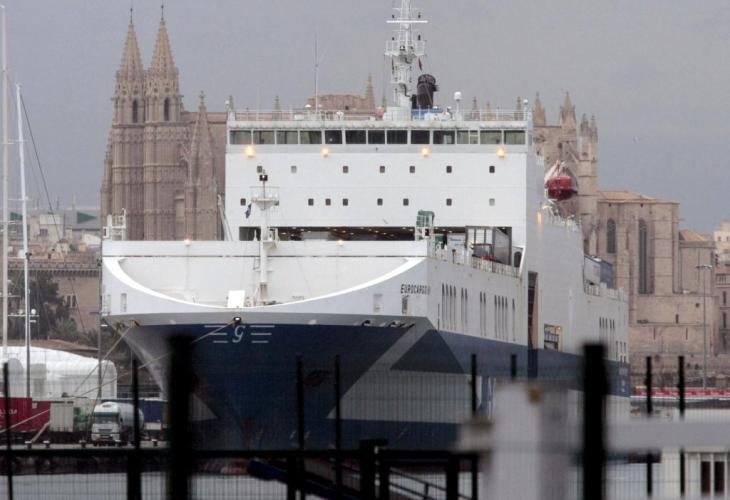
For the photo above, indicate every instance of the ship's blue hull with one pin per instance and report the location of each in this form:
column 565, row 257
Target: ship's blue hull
column 411, row 388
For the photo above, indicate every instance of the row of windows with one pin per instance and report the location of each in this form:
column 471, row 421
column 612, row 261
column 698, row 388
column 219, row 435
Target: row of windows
column 346, row 169
column 503, row 324
column 377, row 137
column 379, row 202
column 448, row 306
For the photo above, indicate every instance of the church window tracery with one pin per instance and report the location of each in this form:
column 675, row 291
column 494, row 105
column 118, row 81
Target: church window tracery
column 611, row 236
column 644, row 279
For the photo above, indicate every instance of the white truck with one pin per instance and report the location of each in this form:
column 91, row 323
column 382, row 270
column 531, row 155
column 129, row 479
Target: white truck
column 114, row 422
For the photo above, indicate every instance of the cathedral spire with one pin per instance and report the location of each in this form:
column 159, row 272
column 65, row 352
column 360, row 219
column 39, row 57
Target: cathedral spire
column 538, row 112
column 567, row 114
column 131, row 67
column 162, row 62
column 201, row 147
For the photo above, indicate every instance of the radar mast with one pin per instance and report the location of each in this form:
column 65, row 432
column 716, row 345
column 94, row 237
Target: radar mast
column 404, row 49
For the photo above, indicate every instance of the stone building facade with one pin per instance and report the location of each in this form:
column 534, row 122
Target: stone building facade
column 164, row 166
column 721, row 236
column 661, row 267
column 667, row 273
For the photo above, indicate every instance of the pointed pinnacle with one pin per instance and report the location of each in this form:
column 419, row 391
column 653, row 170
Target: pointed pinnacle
column 162, row 61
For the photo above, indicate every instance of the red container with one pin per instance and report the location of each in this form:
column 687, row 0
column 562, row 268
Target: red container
column 560, row 187
column 26, row 415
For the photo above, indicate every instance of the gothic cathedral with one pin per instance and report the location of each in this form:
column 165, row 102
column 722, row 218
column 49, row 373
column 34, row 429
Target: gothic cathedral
column 163, row 168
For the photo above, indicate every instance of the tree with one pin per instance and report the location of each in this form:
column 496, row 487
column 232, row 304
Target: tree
column 53, row 314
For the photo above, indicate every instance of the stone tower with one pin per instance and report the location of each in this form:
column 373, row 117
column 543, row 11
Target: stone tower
column 164, row 131
column 576, row 148
column 201, row 187
column 164, row 166
column 587, row 173
column 122, row 186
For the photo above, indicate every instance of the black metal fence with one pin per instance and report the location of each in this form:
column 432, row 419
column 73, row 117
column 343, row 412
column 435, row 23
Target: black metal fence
column 371, row 468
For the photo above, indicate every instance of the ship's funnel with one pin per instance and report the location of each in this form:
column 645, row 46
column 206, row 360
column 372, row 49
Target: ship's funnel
column 424, row 92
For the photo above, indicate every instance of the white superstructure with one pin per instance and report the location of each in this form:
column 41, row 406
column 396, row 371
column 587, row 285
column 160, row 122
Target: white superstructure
column 415, row 220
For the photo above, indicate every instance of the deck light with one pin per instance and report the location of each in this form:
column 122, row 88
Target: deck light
column 187, row 242
column 325, row 152
column 425, row 152
column 250, row 151
column 236, row 320
column 501, row 152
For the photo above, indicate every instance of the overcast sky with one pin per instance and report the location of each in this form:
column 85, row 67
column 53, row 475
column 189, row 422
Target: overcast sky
column 654, row 72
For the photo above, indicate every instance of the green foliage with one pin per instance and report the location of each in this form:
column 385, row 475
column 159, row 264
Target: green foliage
column 53, row 320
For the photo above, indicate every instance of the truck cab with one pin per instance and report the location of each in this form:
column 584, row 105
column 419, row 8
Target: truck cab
column 113, row 422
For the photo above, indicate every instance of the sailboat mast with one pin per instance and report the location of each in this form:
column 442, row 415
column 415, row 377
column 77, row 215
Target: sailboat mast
column 6, row 211
column 26, row 253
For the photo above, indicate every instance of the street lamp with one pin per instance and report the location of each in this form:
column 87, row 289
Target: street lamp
column 704, row 324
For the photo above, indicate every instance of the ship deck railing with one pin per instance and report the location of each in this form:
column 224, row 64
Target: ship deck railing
column 602, row 291
column 339, row 115
column 463, row 258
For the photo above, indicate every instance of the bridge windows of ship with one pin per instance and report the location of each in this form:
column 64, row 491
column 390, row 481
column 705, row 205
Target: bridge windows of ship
column 345, row 202
column 293, row 169
column 381, row 169
column 380, row 202
column 259, row 169
column 449, row 169
column 412, row 169
column 491, row 169
column 492, row 202
column 310, row 202
column 397, row 136
column 327, row 202
column 448, row 202
column 420, row 136
column 405, row 202
column 243, row 202
column 375, row 137
column 345, row 169
column 333, row 136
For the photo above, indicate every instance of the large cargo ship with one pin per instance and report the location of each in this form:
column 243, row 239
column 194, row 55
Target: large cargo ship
column 403, row 240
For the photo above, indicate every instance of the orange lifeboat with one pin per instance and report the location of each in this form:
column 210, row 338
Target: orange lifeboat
column 560, row 187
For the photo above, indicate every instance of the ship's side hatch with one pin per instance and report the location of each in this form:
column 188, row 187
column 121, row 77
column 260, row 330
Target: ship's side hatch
column 532, row 322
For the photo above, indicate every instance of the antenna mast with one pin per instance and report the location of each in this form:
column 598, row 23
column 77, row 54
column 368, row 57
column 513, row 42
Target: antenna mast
column 404, row 49
column 26, row 252
column 6, row 211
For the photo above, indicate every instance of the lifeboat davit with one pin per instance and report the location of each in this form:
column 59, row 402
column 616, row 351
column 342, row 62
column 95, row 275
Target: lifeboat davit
column 560, row 187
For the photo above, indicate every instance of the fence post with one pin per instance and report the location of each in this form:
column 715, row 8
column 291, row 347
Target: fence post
column 8, row 435
column 680, row 390
column 300, row 426
column 134, row 489
column 180, row 381
column 384, row 477
column 474, row 462
column 452, row 478
column 338, row 430
column 595, row 386
column 649, row 411
column 300, row 403
column 291, row 477
column 473, row 385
